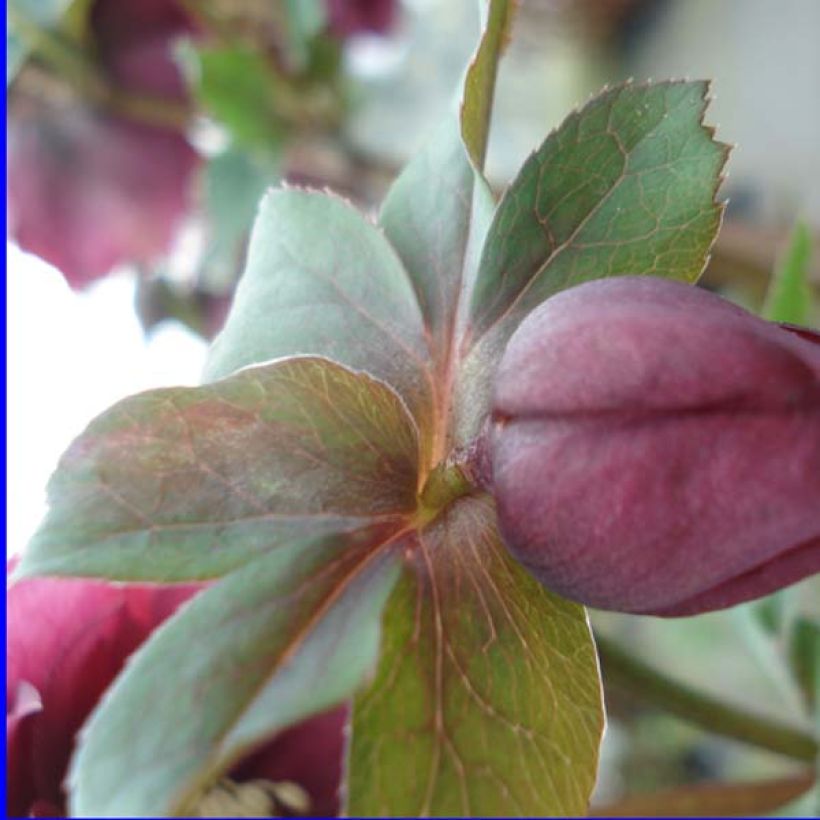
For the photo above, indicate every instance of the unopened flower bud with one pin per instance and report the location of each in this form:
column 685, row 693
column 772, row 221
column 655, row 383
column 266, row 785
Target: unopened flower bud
column 656, row 449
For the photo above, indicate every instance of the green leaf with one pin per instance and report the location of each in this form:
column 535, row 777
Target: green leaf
column 25, row 20
column 320, row 279
column 768, row 650
column 487, row 699
column 236, row 85
column 289, row 635
column 804, row 659
column 16, row 53
column 190, row 483
column 234, row 182
column 439, row 252
column 437, row 213
column 303, row 20
column 626, row 185
column 789, row 297
column 479, row 84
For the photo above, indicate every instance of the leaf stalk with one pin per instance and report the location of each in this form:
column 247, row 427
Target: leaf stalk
column 446, row 483
column 635, row 677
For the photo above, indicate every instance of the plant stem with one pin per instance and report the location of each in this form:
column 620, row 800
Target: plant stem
column 711, row 800
column 641, row 680
column 479, row 84
column 445, row 484
column 149, row 109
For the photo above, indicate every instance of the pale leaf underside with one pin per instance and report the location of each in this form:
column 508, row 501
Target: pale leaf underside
column 322, row 280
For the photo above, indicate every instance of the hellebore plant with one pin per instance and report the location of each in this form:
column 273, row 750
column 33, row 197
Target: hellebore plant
column 337, row 478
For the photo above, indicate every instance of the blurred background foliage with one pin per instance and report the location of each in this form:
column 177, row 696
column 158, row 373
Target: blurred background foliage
column 141, row 136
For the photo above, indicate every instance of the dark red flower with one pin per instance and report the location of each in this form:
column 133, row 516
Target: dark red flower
column 67, row 641
column 134, row 42
column 348, row 17
column 89, row 189
column 657, row 449
column 88, row 192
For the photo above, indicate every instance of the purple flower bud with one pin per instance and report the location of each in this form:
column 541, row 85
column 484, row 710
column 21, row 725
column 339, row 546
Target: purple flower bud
column 656, row 449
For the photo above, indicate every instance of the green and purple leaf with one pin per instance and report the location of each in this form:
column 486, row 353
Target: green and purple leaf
column 487, row 698
column 789, row 298
column 321, row 280
column 437, row 213
column 191, row 483
column 280, row 639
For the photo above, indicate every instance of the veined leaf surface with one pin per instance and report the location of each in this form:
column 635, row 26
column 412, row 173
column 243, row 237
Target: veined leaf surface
column 322, row 280
column 190, row 483
column 626, row 185
column 282, row 638
column 487, row 700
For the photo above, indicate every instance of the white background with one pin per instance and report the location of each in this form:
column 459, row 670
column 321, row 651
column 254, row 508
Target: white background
column 69, row 357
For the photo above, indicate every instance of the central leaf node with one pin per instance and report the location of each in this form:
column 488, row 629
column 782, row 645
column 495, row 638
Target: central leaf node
column 446, row 483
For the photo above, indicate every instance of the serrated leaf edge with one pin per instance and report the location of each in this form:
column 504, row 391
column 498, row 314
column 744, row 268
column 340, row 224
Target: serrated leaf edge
column 470, row 339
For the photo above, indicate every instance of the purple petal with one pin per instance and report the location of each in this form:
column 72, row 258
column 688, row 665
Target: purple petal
column 88, row 191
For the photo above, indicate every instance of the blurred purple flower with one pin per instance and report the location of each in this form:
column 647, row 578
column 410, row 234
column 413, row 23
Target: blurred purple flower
column 89, row 189
column 67, row 641
column 349, row 17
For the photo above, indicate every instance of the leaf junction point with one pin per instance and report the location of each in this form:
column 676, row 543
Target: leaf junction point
column 445, row 484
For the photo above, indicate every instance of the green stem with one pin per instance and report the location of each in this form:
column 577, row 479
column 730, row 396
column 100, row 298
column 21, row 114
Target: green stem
column 712, row 800
column 149, row 109
column 446, row 483
column 479, row 84
column 641, row 680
